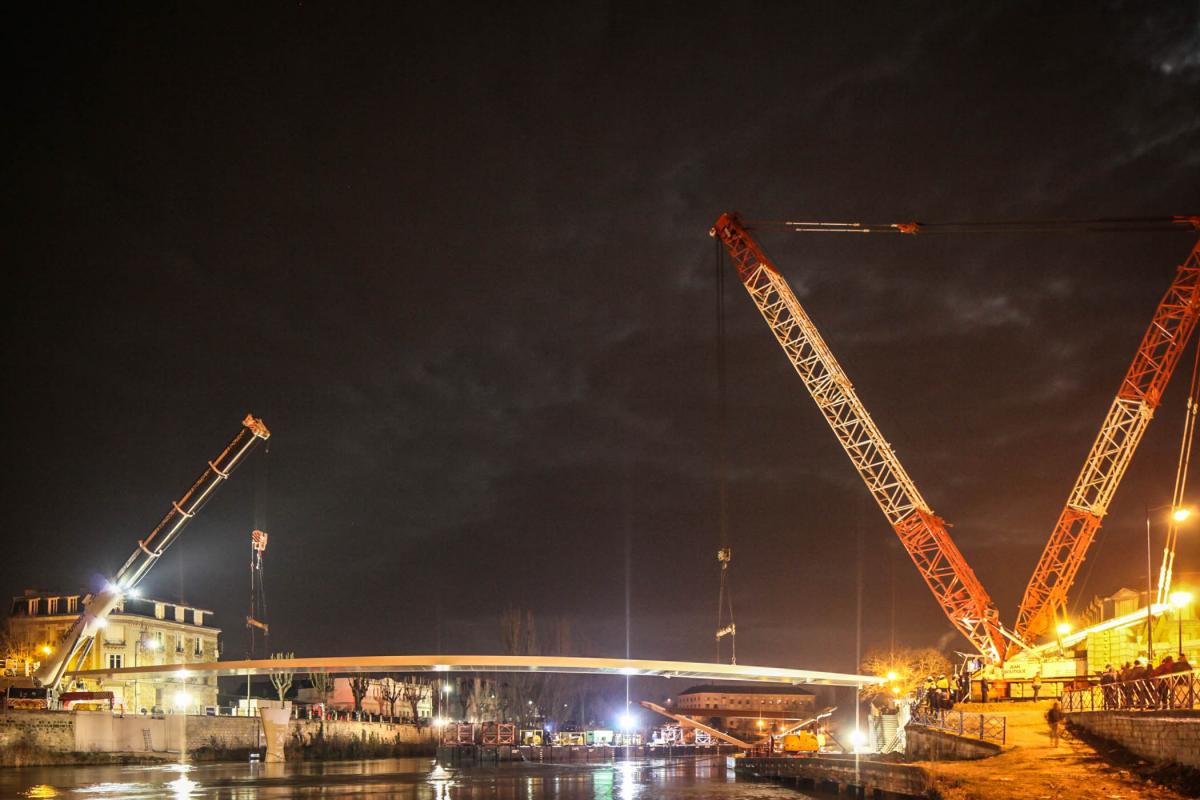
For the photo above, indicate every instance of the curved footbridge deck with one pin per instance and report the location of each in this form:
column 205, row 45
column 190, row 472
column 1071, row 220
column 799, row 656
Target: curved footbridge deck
column 341, row 665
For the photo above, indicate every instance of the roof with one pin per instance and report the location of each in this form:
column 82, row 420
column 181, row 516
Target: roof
column 712, row 688
column 150, row 602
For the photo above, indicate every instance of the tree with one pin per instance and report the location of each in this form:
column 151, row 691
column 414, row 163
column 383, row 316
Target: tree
column 282, row 681
column 15, row 648
column 322, row 683
column 387, row 692
column 910, row 665
column 359, row 686
column 412, row 691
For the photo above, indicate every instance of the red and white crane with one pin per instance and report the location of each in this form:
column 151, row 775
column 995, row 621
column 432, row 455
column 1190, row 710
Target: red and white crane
column 924, row 534
column 1131, row 411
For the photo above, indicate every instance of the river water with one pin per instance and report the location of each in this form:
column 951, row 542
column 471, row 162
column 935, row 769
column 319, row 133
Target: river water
column 400, row 778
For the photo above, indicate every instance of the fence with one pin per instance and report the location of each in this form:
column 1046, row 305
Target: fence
column 1176, row 690
column 986, row 727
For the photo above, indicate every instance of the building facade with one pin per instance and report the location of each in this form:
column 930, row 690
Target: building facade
column 747, row 708
column 386, row 696
column 139, row 632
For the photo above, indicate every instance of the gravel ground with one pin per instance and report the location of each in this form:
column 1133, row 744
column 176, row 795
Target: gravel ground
column 1030, row 769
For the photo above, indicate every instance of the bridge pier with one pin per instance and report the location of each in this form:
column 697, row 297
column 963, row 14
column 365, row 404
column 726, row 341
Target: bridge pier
column 275, row 715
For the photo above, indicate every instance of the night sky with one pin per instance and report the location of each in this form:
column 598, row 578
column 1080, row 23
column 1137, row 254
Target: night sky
column 458, row 260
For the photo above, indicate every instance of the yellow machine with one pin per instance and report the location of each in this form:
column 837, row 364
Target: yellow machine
column 569, row 738
column 533, row 738
column 801, row 743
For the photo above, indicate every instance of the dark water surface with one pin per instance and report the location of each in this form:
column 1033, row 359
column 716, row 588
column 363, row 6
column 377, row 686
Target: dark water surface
column 407, row 778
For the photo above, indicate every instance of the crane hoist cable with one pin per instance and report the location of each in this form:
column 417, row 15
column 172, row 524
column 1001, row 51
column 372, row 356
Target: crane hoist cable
column 724, row 551
column 1181, row 476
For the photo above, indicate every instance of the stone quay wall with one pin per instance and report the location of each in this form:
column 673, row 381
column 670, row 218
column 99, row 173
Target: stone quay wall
column 53, row 732
column 101, row 731
column 926, row 744
column 1156, row 736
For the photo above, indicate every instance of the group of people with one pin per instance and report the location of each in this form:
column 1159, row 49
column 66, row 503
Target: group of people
column 1121, row 687
column 942, row 691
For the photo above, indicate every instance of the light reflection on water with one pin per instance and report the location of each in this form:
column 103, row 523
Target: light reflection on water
column 392, row 779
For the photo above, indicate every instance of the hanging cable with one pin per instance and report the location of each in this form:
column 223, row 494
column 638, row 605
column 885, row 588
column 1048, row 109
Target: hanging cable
column 256, row 618
column 1178, row 512
column 724, row 552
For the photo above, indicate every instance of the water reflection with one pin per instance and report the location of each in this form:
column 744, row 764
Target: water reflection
column 392, row 779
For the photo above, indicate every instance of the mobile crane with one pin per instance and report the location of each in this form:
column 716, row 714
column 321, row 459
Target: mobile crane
column 923, row 533
column 78, row 639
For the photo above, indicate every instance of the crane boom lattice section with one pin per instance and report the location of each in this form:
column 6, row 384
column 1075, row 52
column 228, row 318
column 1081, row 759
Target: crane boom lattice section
column 923, row 534
column 1122, row 430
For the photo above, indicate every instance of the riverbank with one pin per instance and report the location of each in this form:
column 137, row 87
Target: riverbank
column 84, row 738
column 1029, row 768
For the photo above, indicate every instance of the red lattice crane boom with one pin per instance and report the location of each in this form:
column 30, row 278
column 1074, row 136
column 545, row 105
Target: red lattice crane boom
column 923, row 534
column 1122, row 430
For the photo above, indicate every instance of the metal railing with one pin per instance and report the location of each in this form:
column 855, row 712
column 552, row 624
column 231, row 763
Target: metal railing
column 1165, row 692
column 986, row 727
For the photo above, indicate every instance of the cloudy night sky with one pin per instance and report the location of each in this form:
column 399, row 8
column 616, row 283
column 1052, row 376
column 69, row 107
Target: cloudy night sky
column 458, row 261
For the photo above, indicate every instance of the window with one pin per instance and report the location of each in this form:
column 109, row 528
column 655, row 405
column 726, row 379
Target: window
column 72, row 605
column 198, row 617
column 179, row 610
column 116, row 660
column 199, row 650
column 160, row 611
column 52, row 605
column 33, row 606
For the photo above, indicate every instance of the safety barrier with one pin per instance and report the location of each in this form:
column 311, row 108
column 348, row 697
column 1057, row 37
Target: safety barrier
column 1164, row 692
column 985, row 727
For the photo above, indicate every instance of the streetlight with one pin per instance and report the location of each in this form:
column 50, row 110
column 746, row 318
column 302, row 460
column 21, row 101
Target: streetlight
column 1180, row 600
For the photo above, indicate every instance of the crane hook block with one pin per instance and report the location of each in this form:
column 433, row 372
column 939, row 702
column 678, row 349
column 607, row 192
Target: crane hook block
column 256, row 426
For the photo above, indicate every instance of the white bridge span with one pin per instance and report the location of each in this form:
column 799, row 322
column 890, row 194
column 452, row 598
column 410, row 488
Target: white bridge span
column 690, row 670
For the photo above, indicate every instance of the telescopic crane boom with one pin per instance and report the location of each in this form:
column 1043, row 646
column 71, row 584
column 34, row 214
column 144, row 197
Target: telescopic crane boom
column 923, row 533
column 77, row 640
column 1122, row 430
